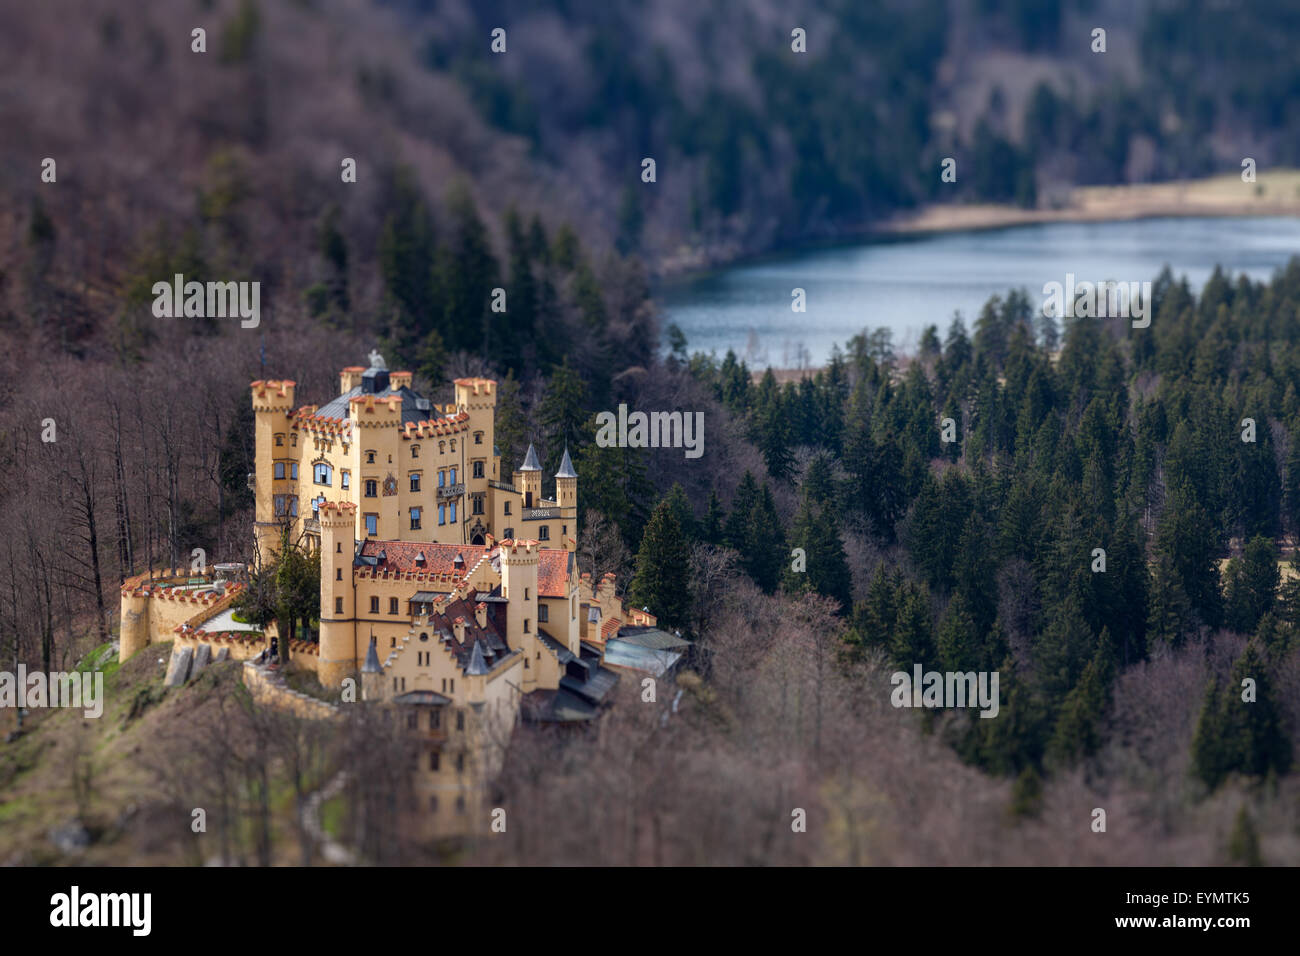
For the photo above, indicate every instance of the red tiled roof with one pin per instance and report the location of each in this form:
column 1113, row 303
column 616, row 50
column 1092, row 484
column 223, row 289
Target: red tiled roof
column 438, row 558
column 552, row 565
column 553, row 573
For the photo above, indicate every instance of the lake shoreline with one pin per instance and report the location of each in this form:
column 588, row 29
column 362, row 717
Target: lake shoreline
column 1274, row 193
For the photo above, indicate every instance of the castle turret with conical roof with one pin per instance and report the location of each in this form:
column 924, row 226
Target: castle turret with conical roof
column 528, row 478
column 566, row 483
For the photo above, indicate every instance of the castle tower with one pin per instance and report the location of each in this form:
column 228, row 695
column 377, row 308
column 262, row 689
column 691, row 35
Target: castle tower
column 478, row 398
column 566, row 483
column 528, row 479
column 134, row 633
column 272, row 407
column 377, row 428
column 338, row 635
column 519, row 562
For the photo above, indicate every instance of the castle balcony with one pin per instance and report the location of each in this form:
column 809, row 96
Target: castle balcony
column 311, row 525
column 451, row 491
column 539, row 514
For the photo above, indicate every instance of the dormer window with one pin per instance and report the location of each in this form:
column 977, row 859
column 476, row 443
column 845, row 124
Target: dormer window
column 420, row 559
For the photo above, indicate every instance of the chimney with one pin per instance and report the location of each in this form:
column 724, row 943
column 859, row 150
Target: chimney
column 480, row 614
column 458, row 626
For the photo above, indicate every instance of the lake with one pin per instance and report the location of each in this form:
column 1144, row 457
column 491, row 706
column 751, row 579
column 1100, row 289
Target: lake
column 906, row 284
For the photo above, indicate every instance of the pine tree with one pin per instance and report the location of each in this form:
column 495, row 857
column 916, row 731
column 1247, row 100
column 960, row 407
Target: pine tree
column 682, row 510
column 662, row 578
column 1243, row 844
column 1236, row 735
column 711, row 530
column 958, row 638
column 561, row 413
column 1251, row 585
column 1078, row 728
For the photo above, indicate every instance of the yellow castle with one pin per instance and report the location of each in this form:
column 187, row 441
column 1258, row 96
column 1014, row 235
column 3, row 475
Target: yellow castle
column 415, row 472
column 447, row 595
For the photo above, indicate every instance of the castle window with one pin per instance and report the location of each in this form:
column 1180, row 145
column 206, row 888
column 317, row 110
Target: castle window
column 392, row 605
column 372, row 488
column 544, row 533
column 338, row 547
column 510, row 532
column 442, row 448
column 460, row 716
column 338, row 605
column 543, row 614
column 453, row 474
column 372, row 525
column 424, row 636
column 478, row 438
column 452, row 688
column 478, row 469
column 564, row 529
column 370, row 458
column 322, row 473
column 453, row 512
column 347, row 480
column 415, row 519
column 415, row 451
column 338, row 574
column 279, row 441
column 525, row 594
column 442, row 514
column 374, row 605
column 293, row 441
column 293, row 471
column 527, row 626
column 460, row 765
column 279, row 469
column 453, row 446
column 293, row 506
column 507, row 512
column 435, row 722
column 525, row 663
column 433, row 765
column 442, row 479
column 478, row 504
column 279, row 505
column 574, row 610
column 412, row 721
column 415, row 482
